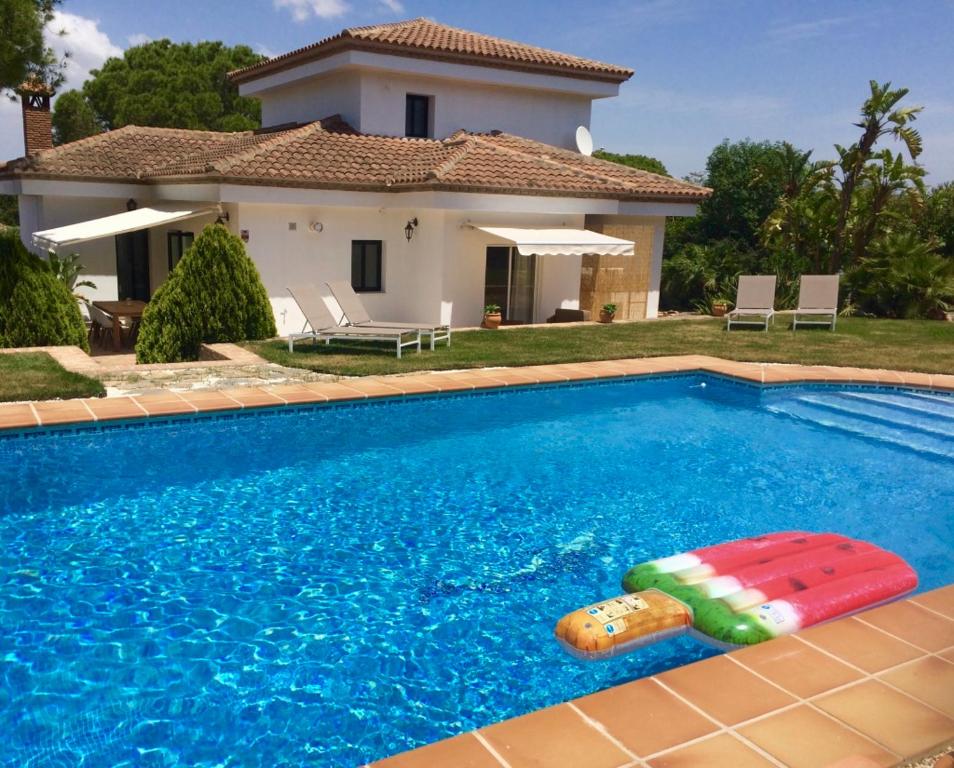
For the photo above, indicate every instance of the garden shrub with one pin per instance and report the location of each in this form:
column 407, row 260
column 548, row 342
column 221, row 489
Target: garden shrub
column 36, row 309
column 214, row 294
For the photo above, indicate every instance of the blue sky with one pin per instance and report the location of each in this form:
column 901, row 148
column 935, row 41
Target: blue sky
column 705, row 70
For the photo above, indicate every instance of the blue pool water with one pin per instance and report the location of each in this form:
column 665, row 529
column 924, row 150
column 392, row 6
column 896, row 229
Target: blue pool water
column 333, row 585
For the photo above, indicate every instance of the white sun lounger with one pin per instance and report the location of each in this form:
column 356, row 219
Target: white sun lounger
column 754, row 302
column 357, row 316
column 324, row 328
column 818, row 299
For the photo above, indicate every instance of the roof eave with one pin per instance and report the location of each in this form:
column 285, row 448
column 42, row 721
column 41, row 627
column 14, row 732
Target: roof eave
column 328, row 48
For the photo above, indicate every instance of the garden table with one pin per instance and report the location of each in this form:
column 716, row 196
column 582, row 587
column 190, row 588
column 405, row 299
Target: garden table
column 119, row 309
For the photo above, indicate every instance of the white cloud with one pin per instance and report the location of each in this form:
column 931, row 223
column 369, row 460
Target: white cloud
column 395, row 6
column 805, row 30
column 302, row 10
column 264, row 50
column 83, row 41
column 140, row 38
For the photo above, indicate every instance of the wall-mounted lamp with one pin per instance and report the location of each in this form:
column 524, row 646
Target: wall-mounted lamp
column 222, row 217
column 315, row 226
column 409, row 228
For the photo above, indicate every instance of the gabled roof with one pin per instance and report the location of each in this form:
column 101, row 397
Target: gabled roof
column 423, row 38
column 330, row 154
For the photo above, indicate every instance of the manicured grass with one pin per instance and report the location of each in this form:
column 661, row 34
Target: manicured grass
column 910, row 345
column 37, row 376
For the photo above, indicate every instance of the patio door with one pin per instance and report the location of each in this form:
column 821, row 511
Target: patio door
column 132, row 265
column 509, row 282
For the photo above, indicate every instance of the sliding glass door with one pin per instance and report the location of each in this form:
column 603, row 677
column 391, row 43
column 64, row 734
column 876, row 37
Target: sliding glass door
column 509, row 282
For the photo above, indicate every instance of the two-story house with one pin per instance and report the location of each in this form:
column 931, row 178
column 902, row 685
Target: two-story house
column 436, row 168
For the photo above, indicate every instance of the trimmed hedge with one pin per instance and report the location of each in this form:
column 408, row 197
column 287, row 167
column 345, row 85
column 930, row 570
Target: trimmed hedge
column 36, row 309
column 213, row 295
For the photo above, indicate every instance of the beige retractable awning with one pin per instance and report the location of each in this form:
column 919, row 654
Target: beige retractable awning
column 561, row 242
column 130, row 221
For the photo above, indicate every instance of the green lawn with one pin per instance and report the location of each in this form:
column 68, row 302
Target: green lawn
column 37, row 376
column 911, row 345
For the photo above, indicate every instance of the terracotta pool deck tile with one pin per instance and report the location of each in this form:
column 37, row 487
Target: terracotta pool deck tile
column 796, row 666
column 463, row 751
column 570, row 372
column 722, row 751
column 164, row 404
column 295, row 393
column 914, row 624
column 252, row 397
column 372, row 387
column 891, row 718
column 544, row 375
column 17, row 416
column 948, row 655
column 210, row 400
column 803, row 737
column 557, row 737
column 860, row 644
column 106, row 408
column 415, row 385
column 942, row 381
column 930, row 680
column 645, row 717
column 504, row 378
column 939, row 600
column 705, row 683
column 332, row 391
column 62, row 412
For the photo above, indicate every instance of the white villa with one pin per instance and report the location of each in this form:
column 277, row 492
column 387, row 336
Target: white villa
column 435, row 168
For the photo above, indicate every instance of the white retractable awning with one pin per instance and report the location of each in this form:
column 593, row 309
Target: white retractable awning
column 561, row 242
column 130, row 221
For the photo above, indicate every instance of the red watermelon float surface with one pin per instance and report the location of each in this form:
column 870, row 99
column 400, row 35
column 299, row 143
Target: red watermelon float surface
column 741, row 592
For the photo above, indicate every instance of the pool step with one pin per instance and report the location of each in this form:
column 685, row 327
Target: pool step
column 920, row 403
column 922, row 436
column 918, row 421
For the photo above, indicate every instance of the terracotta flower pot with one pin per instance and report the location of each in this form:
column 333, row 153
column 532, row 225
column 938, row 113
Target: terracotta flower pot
column 719, row 310
column 491, row 321
column 606, row 317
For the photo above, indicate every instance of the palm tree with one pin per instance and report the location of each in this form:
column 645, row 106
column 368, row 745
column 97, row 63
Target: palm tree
column 880, row 116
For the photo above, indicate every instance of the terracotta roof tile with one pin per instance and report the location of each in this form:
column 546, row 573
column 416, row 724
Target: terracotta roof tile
column 330, row 154
column 429, row 39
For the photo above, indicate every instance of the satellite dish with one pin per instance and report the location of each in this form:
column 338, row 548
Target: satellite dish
column 584, row 141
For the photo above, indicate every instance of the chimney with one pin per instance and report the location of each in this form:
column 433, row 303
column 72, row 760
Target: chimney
column 37, row 120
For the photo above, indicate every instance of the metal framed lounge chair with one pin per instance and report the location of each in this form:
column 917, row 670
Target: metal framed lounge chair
column 818, row 299
column 324, row 328
column 754, row 302
column 357, row 316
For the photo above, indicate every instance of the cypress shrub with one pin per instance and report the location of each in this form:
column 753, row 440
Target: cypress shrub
column 214, row 294
column 36, row 309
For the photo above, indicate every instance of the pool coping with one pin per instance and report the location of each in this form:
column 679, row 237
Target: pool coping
column 47, row 413
column 874, row 689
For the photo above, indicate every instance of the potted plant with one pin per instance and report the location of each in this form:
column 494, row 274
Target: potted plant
column 492, row 317
column 720, row 307
column 607, row 313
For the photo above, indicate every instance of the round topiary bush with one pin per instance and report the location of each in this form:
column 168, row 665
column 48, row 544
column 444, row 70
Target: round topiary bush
column 213, row 295
column 36, row 309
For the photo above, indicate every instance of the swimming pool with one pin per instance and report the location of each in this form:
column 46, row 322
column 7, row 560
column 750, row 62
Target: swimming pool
column 330, row 585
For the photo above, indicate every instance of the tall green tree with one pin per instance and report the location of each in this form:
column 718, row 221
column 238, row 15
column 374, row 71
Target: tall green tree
column 640, row 162
column 881, row 116
column 174, row 85
column 73, row 118
column 23, row 51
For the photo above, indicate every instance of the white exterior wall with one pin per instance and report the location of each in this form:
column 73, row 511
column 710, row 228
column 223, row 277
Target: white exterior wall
column 303, row 102
column 535, row 114
column 411, row 271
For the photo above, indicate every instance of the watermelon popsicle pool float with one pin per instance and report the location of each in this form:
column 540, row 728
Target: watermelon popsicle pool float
column 739, row 593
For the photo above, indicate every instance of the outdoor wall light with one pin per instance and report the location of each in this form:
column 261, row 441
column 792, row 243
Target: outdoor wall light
column 409, row 228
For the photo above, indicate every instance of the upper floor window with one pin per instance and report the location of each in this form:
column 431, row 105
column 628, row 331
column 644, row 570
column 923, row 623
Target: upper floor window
column 366, row 265
column 178, row 244
column 417, row 116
